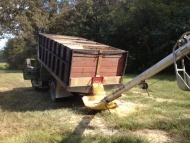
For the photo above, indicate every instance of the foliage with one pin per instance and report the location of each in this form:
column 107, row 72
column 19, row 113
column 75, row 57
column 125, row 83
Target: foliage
column 16, row 52
column 24, row 20
column 148, row 29
column 1, row 56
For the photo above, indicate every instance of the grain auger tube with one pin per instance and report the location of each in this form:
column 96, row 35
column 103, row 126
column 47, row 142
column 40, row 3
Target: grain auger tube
column 183, row 50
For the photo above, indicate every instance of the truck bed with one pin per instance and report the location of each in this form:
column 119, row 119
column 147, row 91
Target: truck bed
column 74, row 61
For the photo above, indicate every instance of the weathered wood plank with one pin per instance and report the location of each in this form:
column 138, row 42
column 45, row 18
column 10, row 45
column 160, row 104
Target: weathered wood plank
column 112, row 64
column 84, row 62
column 110, row 69
column 82, row 75
column 110, row 74
column 84, row 81
column 76, row 58
column 119, row 58
column 83, row 69
column 68, row 55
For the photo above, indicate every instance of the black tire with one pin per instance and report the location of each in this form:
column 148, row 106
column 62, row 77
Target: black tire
column 33, row 86
column 53, row 92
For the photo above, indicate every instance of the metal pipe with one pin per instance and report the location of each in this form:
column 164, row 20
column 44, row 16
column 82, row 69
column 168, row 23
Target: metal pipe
column 167, row 61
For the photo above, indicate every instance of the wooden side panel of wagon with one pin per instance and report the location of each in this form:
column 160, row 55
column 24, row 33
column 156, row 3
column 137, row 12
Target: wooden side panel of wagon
column 56, row 58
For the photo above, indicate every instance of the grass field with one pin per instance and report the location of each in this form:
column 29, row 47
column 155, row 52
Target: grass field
column 28, row 116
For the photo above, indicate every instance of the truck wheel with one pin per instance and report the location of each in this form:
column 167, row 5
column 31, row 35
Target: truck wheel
column 33, row 86
column 53, row 92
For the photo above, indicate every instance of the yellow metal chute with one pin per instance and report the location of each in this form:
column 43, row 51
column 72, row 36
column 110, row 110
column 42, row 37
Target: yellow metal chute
column 94, row 102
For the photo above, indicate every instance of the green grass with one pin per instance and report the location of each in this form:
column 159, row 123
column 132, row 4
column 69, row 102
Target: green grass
column 2, row 66
column 27, row 116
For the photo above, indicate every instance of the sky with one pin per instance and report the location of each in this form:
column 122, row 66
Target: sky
column 2, row 43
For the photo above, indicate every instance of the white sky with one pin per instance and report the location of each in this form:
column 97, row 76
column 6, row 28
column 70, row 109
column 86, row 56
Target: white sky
column 2, row 43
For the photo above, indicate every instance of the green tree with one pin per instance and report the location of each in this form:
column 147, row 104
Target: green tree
column 1, row 56
column 16, row 52
column 24, row 19
column 148, row 29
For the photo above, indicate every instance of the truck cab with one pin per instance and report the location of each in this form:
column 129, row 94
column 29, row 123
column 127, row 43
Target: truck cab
column 35, row 72
column 31, row 69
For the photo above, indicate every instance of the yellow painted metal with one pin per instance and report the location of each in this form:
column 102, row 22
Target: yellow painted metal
column 94, row 102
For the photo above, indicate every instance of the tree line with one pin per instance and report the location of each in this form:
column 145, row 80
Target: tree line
column 148, row 29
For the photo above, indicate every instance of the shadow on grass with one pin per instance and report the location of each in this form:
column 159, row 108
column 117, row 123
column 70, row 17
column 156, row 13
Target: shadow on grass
column 26, row 99
column 79, row 136
column 76, row 135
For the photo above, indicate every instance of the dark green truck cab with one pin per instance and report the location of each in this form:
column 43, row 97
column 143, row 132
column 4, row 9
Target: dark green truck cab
column 35, row 72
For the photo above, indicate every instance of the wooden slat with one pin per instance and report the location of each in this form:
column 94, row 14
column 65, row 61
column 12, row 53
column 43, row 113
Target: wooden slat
column 52, row 62
column 113, row 58
column 83, row 69
column 61, row 70
column 43, row 38
column 57, row 49
column 92, row 63
column 45, row 43
column 62, row 51
column 49, row 60
column 84, row 81
column 46, row 57
column 49, row 43
column 81, row 59
column 68, row 54
column 53, row 47
column 56, row 65
column 112, row 64
column 112, row 80
column 84, row 55
column 110, row 74
column 43, row 54
column 82, row 75
column 83, row 64
column 80, row 81
column 110, row 69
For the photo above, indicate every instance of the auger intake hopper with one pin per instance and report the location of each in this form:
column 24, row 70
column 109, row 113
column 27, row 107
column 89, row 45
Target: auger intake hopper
column 95, row 103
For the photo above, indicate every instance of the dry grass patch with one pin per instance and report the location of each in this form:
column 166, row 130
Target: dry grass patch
column 153, row 136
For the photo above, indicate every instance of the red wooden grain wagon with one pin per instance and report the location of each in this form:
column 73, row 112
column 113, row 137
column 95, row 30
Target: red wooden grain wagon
column 72, row 64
